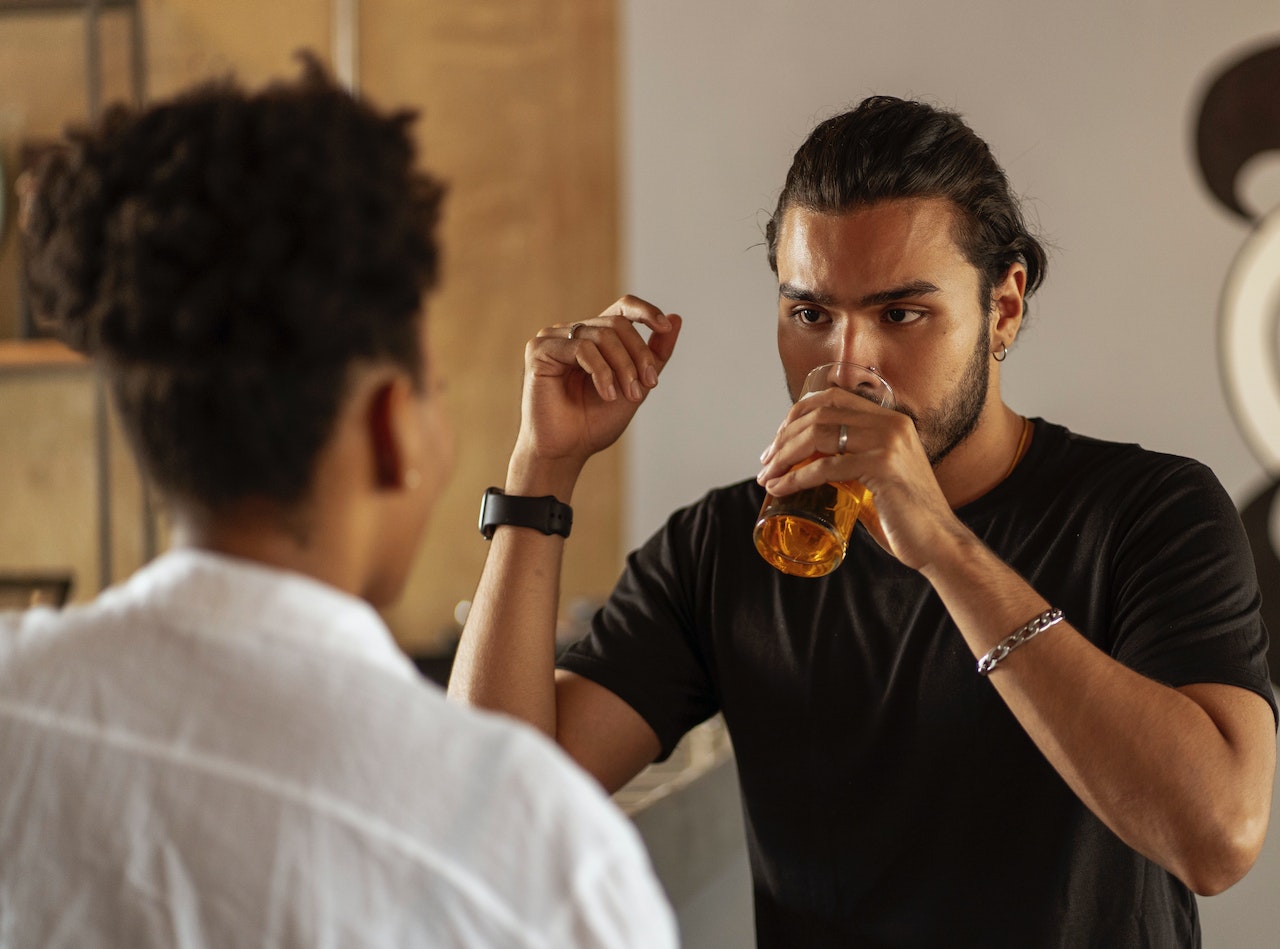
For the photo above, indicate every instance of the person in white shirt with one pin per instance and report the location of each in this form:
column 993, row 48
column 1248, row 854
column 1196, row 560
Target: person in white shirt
column 228, row 749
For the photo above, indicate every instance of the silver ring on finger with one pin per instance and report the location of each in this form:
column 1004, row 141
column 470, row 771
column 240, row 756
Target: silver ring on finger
column 573, row 329
column 844, row 440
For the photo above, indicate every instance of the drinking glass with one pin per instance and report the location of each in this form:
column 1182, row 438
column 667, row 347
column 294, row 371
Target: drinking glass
column 805, row 534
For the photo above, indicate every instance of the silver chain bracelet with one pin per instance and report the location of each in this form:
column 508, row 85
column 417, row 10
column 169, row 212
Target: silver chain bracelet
column 1015, row 639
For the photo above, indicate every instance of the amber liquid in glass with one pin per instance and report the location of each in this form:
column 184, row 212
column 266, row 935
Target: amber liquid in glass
column 805, row 534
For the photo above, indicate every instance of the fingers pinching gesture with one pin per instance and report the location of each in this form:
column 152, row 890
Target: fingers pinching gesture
column 584, row 380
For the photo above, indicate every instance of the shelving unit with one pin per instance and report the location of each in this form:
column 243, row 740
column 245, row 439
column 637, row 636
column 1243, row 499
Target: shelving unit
column 36, row 354
column 29, row 353
column 92, row 11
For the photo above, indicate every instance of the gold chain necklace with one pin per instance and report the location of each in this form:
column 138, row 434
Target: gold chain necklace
column 1022, row 446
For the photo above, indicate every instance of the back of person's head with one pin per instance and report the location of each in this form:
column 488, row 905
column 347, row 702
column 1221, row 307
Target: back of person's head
column 888, row 149
column 230, row 258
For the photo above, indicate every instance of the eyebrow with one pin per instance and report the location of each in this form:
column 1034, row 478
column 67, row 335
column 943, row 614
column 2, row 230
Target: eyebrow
column 791, row 291
column 914, row 288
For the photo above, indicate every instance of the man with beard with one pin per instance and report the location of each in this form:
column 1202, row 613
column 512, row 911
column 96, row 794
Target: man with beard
column 1032, row 706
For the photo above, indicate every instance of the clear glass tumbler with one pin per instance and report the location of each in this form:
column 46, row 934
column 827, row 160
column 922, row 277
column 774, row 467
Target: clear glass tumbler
column 806, row 534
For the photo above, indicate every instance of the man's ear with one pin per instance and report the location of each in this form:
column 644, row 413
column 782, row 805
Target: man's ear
column 1007, row 305
column 385, row 421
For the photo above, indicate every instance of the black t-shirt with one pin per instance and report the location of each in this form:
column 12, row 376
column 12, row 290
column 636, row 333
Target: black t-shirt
column 890, row 797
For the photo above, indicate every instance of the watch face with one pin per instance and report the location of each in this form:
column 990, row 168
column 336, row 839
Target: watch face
column 487, row 526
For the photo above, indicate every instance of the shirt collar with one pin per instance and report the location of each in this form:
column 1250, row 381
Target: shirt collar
column 217, row 595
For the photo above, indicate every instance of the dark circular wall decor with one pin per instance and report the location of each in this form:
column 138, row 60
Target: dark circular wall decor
column 1239, row 119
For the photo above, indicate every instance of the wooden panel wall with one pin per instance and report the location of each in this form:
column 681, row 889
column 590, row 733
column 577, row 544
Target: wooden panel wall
column 518, row 105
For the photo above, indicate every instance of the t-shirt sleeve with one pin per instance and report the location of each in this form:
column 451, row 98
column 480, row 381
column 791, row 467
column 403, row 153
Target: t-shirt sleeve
column 617, row 903
column 1186, row 589
column 542, row 857
column 646, row 644
column 610, row 898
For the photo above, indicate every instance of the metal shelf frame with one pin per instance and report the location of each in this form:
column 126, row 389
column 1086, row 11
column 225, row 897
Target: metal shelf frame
column 92, row 11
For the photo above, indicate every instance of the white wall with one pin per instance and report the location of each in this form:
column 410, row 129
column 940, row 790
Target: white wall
column 1090, row 107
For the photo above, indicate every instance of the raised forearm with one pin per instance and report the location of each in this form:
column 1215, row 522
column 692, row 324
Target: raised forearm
column 582, row 385
column 506, row 657
column 1182, row 781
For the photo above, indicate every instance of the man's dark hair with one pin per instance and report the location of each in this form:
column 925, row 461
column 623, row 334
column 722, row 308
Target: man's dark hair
column 889, row 148
column 228, row 257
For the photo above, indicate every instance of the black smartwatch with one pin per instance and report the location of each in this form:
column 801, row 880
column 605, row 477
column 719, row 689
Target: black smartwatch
column 544, row 514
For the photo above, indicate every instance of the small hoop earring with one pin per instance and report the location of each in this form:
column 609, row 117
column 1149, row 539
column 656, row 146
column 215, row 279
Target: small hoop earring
column 1002, row 355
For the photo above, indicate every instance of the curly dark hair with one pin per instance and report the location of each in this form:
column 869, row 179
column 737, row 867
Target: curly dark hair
column 227, row 257
column 888, row 148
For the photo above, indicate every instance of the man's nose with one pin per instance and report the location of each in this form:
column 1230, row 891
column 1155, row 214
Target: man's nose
column 857, row 344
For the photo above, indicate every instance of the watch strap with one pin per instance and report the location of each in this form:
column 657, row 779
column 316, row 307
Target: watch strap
column 545, row 514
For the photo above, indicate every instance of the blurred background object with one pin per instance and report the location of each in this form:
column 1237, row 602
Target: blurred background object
column 519, row 115
column 22, row 591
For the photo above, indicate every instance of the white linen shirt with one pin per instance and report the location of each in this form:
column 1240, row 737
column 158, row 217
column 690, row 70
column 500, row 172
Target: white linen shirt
column 218, row 754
